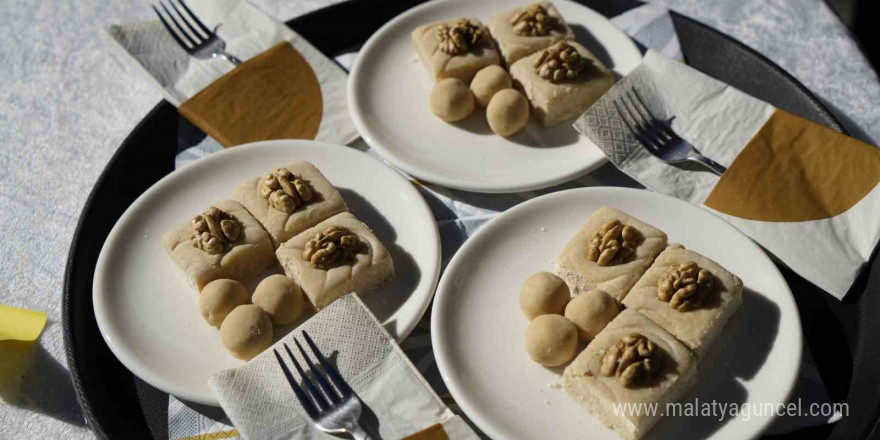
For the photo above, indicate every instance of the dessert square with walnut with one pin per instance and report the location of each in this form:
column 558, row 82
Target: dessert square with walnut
column 455, row 48
column 631, row 362
column 561, row 81
column 689, row 295
column 525, row 30
column 609, row 252
column 225, row 241
column 290, row 199
column 337, row 256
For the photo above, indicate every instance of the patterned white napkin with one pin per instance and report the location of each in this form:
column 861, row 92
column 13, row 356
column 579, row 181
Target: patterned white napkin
column 258, row 399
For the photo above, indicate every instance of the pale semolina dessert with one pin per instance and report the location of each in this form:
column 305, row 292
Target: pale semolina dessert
column 609, row 252
column 543, row 293
column 525, row 30
column 551, row 340
column 451, row 100
column 220, row 297
column 246, row 332
column 335, row 257
column 632, row 361
column 224, row 241
column 290, row 199
column 489, row 81
column 281, row 298
column 455, row 48
column 561, row 81
column 689, row 295
column 590, row 312
column 508, row 112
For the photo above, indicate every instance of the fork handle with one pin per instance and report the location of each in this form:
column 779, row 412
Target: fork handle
column 359, row 433
column 716, row 167
column 226, row 56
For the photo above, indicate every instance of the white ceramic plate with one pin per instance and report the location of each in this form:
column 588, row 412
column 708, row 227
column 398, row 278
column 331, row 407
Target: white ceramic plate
column 388, row 95
column 478, row 328
column 148, row 313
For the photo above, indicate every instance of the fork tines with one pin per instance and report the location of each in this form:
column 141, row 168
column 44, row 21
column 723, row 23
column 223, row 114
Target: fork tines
column 183, row 30
column 648, row 130
column 319, row 394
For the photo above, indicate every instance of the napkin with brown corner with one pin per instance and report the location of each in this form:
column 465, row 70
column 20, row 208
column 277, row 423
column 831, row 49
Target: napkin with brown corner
column 259, row 401
column 804, row 192
column 284, row 89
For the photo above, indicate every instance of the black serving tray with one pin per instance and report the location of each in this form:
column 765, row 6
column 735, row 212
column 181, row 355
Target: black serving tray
column 118, row 405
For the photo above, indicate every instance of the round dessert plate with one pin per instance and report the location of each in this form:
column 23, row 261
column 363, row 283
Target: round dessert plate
column 388, row 94
column 479, row 330
column 148, row 313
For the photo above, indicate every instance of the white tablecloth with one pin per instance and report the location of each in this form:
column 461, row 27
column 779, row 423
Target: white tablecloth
column 66, row 107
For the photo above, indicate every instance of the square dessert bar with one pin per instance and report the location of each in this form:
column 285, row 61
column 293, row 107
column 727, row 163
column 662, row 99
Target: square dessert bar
column 616, row 277
column 554, row 102
column 657, row 369
column 697, row 319
column 525, row 30
column 319, row 200
column 464, row 65
column 236, row 245
column 327, row 263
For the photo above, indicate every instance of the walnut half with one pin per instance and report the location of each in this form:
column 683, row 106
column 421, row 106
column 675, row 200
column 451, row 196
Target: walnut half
column 613, row 243
column 560, row 62
column 633, row 359
column 460, row 37
column 285, row 191
column 213, row 230
column 685, row 287
column 533, row 21
column 333, row 247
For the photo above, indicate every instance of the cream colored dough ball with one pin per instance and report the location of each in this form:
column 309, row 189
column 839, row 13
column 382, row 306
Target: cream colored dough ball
column 551, row 340
column 489, row 81
column 246, row 331
column 219, row 297
column 590, row 312
column 543, row 293
column 508, row 112
column 281, row 298
column 452, row 100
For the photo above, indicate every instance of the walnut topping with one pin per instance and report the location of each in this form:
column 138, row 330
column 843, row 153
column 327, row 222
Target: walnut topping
column 213, row 230
column 613, row 243
column 559, row 62
column 633, row 359
column 533, row 21
column 285, row 191
column 333, row 247
column 685, row 287
column 460, row 37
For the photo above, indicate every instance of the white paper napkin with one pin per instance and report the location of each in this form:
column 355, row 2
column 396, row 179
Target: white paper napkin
column 247, row 32
column 259, row 401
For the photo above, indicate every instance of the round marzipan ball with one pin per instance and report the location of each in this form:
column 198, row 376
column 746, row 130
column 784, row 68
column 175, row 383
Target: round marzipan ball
column 280, row 298
column 590, row 312
column 543, row 294
column 551, row 340
column 452, row 100
column 488, row 81
column 246, row 331
column 219, row 297
column 508, row 112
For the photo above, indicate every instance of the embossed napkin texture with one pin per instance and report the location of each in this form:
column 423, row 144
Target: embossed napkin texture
column 261, row 404
column 284, row 89
column 804, row 192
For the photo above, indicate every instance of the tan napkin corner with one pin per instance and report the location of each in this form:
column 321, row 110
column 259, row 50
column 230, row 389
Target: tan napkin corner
column 274, row 95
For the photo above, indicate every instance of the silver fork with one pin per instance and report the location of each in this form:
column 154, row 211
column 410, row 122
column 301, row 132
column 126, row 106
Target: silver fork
column 334, row 409
column 656, row 136
column 201, row 42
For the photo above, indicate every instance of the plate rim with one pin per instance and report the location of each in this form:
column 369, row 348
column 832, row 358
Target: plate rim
column 355, row 108
column 439, row 337
column 157, row 380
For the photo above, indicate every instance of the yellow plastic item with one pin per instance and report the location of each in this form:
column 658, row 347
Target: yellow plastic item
column 20, row 324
